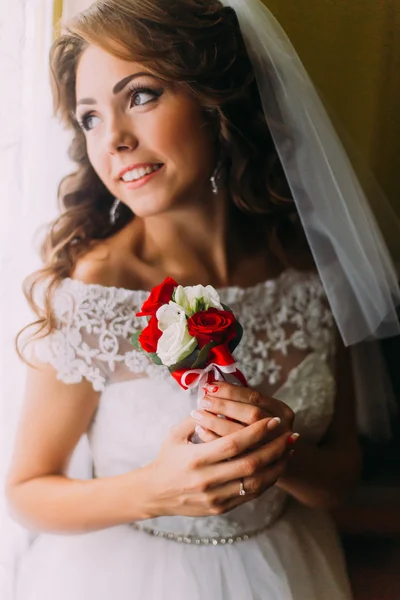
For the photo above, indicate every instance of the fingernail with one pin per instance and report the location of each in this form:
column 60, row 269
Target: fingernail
column 212, row 389
column 292, row 453
column 196, row 415
column 274, row 423
column 205, row 403
column 293, row 438
column 198, row 429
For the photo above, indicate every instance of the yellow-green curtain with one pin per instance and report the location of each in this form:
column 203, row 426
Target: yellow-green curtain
column 351, row 48
column 57, row 14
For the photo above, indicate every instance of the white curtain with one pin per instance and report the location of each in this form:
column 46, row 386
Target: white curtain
column 73, row 7
column 33, row 159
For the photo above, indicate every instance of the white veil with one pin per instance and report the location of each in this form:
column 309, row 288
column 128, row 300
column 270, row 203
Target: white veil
column 352, row 258
column 350, row 253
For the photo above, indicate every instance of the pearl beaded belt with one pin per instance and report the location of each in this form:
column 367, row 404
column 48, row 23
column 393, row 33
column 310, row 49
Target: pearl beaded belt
column 203, row 541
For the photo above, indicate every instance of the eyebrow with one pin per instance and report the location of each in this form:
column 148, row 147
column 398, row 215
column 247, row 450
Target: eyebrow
column 118, row 87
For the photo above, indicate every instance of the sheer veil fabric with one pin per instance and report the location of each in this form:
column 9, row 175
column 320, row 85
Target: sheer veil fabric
column 352, row 258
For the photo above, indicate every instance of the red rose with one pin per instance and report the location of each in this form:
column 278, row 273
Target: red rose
column 149, row 337
column 212, row 325
column 159, row 295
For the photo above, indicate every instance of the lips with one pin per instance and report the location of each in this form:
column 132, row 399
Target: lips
column 136, row 178
column 138, row 170
column 138, row 173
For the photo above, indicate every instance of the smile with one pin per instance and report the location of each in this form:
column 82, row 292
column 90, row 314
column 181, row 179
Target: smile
column 139, row 173
column 140, row 176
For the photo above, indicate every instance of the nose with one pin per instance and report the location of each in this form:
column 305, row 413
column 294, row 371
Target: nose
column 120, row 135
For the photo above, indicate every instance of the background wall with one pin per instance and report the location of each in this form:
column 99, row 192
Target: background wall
column 351, row 49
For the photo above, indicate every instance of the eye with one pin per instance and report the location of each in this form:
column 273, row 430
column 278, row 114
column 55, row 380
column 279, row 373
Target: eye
column 142, row 96
column 88, row 121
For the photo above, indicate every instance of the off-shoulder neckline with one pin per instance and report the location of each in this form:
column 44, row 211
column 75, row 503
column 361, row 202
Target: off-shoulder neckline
column 287, row 273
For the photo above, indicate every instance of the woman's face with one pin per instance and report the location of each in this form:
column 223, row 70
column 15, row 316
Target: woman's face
column 148, row 141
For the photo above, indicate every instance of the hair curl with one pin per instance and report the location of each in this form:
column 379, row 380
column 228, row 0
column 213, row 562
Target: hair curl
column 198, row 44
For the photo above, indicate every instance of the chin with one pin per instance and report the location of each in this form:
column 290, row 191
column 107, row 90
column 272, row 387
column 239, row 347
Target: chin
column 145, row 209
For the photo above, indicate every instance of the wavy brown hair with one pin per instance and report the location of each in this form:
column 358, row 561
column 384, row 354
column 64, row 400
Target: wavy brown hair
column 197, row 44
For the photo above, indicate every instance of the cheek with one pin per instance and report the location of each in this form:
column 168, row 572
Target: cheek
column 186, row 138
column 100, row 161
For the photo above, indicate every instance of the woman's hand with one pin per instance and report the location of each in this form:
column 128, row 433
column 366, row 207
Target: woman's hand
column 242, row 407
column 204, row 479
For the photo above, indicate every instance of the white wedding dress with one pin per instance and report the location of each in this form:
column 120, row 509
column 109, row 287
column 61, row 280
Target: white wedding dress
column 272, row 548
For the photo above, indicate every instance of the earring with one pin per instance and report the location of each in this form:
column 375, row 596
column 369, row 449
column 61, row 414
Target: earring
column 216, row 178
column 214, row 184
column 114, row 211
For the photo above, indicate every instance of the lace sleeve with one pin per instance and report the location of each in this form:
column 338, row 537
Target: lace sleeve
column 92, row 338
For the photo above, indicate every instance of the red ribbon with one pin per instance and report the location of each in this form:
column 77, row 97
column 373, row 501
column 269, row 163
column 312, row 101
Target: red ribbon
column 219, row 356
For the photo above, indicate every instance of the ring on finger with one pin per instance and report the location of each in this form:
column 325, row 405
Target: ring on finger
column 242, row 491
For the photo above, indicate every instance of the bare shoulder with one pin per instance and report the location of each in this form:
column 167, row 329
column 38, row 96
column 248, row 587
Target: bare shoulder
column 96, row 266
column 109, row 263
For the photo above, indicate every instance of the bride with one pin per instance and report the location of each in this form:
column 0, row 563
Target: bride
column 203, row 154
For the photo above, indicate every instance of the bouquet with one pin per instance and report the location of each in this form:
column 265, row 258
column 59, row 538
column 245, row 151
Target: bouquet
column 192, row 333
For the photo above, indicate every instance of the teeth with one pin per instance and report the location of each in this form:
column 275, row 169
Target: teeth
column 136, row 174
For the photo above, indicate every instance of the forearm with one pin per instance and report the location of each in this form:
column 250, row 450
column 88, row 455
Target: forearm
column 57, row 504
column 320, row 476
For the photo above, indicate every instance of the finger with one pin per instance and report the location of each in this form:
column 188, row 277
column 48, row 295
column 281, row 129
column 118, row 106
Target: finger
column 267, row 478
column 245, row 395
column 227, row 496
column 251, row 464
column 234, row 444
column 253, row 491
column 182, row 432
column 205, row 435
column 228, row 492
column 244, row 413
column 217, row 425
column 221, row 389
column 235, row 502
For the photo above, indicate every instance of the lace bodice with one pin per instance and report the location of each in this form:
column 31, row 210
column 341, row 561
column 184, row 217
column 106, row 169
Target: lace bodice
column 287, row 350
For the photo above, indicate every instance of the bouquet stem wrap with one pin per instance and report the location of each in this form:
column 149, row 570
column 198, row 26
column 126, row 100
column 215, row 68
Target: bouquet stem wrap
column 217, row 370
column 222, row 367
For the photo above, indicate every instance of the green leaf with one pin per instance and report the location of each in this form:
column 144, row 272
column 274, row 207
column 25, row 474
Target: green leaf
column 154, row 357
column 186, row 363
column 203, row 355
column 226, row 308
column 135, row 340
column 233, row 344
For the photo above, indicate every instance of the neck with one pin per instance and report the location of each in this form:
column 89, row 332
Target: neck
column 204, row 240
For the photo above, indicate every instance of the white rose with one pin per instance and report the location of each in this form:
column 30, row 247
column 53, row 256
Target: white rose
column 176, row 343
column 197, row 297
column 169, row 314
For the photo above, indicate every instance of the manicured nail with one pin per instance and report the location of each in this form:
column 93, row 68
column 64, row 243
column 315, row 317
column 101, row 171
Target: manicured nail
column 293, row 438
column 196, row 415
column 274, row 423
column 292, row 453
column 205, row 403
column 212, row 389
column 198, row 429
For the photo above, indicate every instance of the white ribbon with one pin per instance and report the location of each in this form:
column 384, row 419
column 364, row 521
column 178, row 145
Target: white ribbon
column 202, row 376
